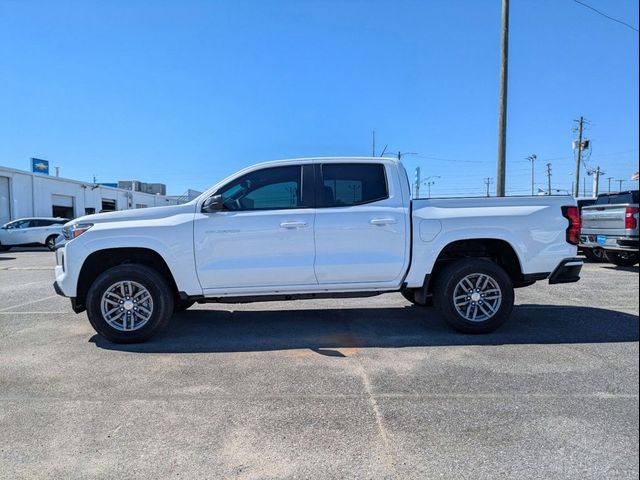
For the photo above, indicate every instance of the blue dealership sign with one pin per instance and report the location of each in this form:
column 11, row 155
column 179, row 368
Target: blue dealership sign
column 40, row 166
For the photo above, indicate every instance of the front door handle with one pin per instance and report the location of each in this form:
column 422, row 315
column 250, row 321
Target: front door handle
column 293, row 224
column 382, row 221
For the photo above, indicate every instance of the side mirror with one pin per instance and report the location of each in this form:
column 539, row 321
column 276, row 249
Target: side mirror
column 213, row 204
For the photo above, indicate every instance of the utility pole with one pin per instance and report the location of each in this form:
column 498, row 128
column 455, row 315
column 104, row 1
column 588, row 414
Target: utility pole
column 620, row 187
column 596, row 181
column 502, row 115
column 584, row 186
column 487, row 182
column 428, row 182
column 549, row 178
column 609, row 178
column 576, row 192
column 532, row 159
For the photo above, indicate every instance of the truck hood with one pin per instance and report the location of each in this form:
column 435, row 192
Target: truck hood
column 135, row 214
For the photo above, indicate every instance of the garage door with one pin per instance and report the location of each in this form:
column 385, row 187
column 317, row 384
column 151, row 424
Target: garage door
column 5, row 212
column 62, row 206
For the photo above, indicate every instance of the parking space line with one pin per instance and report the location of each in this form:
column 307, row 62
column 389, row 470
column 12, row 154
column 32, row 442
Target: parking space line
column 27, row 303
column 29, row 313
column 27, row 268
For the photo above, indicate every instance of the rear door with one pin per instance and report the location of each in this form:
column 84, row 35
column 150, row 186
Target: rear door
column 263, row 237
column 360, row 230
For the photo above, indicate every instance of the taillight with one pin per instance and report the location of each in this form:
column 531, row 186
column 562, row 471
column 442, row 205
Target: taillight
column 630, row 218
column 573, row 231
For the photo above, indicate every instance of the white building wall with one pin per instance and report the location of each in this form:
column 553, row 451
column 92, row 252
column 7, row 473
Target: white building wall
column 32, row 195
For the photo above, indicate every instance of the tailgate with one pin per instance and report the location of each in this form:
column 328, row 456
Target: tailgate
column 605, row 217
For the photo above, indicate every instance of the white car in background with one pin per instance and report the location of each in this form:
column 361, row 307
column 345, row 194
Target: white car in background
column 31, row 232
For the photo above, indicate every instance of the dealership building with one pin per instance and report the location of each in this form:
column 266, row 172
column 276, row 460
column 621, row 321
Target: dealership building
column 28, row 194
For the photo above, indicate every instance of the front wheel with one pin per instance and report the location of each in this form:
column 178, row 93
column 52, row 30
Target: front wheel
column 474, row 295
column 623, row 259
column 50, row 242
column 129, row 303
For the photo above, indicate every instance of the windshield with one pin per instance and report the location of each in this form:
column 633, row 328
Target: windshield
column 17, row 224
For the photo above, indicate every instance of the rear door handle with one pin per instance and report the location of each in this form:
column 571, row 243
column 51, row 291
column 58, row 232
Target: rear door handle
column 382, row 221
column 293, row 224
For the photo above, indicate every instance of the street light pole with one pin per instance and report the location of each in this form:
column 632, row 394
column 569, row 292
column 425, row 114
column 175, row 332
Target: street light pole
column 532, row 159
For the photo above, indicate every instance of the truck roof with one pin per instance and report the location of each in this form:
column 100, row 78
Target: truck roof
column 328, row 159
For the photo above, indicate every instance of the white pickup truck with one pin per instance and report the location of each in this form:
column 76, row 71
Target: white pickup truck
column 315, row 228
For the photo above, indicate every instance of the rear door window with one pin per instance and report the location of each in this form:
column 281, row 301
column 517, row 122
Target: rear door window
column 346, row 184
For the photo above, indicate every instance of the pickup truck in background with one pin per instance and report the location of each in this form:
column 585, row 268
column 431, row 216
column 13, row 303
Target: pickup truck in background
column 611, row 223
column 315, row 228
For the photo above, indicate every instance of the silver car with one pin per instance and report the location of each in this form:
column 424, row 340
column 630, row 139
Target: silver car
column 31, row 232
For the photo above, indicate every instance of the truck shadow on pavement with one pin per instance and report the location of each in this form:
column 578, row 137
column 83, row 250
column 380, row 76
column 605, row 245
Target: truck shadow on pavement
column 326, row 330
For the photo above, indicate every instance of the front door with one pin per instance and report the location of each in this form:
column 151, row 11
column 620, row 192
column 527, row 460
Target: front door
column 264, row 235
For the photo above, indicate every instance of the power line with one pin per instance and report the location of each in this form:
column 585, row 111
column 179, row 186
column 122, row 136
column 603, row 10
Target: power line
column 440, row 159
column 606, row 16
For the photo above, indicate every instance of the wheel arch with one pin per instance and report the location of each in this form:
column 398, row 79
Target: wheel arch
column 498, row 250
column 101, row 260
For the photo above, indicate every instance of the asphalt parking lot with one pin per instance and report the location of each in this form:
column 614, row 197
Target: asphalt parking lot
column 364, row 388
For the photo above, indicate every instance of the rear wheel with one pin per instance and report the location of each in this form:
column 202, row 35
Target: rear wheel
column 474, row 295
column 129, row 303
column 594, row 254
column 50, row 242
column 623, row 259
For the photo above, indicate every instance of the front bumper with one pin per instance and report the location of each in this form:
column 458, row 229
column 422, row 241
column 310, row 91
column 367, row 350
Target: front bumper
column 567, row 272
column 75, row 305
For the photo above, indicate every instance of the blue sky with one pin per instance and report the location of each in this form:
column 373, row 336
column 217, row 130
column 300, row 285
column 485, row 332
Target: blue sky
column 187, row 92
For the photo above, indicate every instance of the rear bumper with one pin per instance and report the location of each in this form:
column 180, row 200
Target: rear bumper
column 567, row 272
column 625, row 245
column 611, row 242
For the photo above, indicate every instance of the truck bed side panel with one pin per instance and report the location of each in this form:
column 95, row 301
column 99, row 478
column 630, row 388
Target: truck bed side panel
column 533, row 226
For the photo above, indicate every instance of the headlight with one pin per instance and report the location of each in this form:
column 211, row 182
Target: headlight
column 73, row 231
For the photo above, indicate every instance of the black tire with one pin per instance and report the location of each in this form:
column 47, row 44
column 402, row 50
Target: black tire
column 152, row 281
column 410, row 296
column 50, row 242
column 182, row 305
column 623, row 259
column 447, row 285
column 595, row 254
column 4, row 248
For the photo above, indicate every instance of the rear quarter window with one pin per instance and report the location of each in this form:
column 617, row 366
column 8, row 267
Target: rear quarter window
column 618, row 198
